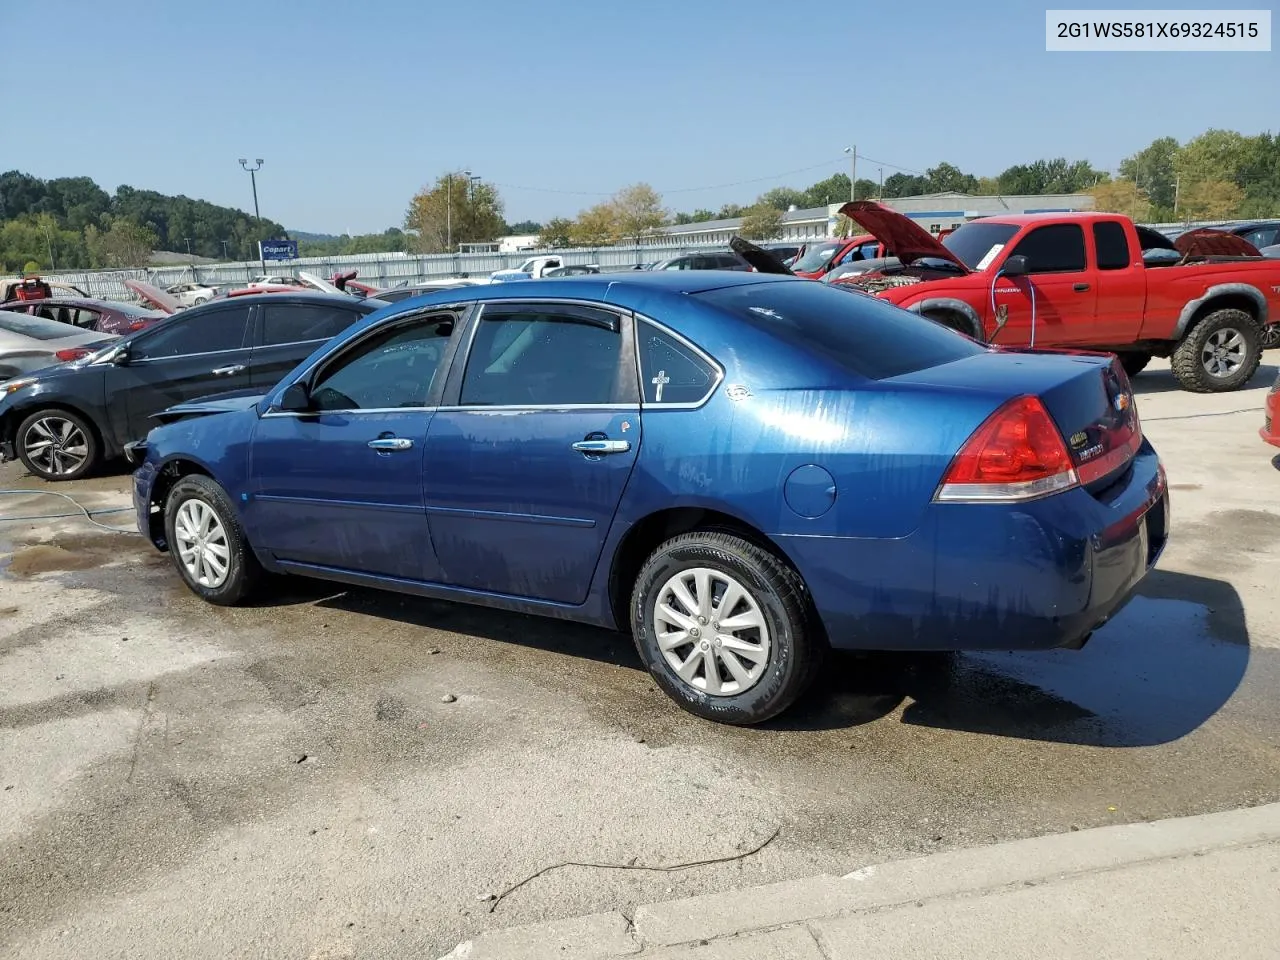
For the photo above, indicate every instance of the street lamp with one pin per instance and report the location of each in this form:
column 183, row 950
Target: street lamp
column 853, row 171
column 253, row 179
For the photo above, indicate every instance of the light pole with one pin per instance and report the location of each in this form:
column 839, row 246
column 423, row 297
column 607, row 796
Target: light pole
column 253, row 179
column 853, row 171
column 48, row 239
column 880, row 193
column 225, row 254
column 448, row 212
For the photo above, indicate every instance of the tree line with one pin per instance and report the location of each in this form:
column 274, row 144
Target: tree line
column 71, row 223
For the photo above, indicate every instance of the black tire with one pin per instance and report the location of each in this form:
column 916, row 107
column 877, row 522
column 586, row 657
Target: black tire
column 1134, row 361
column 244, row 575
column 778, row 595
column 952, row 321
column 1189, row 368
column 1271, row 336
column 72, row 437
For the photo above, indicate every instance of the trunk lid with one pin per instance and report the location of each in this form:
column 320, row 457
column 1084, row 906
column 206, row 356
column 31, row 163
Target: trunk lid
column 1208, row 242
column 162, row 301
column 906, row 239
column 1087, row 395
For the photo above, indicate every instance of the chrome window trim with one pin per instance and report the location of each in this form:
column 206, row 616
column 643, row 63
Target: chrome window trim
column 184, row 356
column 507, row 408
column 351, row 412
column 638, row 319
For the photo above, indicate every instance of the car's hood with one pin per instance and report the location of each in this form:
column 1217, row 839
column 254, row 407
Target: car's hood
column 1208, row 242
column 165, row 302
column 906, row 239
column 320, row 283
column 218, row 403
column 764, row 261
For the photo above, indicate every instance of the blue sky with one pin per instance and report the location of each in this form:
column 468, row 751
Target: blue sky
column 355, row 106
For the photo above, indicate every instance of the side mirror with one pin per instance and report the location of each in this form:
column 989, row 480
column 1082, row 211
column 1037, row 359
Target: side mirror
column 121, row 357
column 295, row 398
column 1015, row 266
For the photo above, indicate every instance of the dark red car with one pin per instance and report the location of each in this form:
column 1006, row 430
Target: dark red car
column 100, row 316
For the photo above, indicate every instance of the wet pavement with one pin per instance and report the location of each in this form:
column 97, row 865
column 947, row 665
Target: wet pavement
column 287, row 780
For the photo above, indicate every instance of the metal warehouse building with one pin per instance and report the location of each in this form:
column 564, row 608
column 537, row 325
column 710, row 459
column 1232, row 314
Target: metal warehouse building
column 933, row 211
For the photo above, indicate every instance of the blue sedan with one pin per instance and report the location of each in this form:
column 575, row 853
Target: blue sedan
column 742, row 470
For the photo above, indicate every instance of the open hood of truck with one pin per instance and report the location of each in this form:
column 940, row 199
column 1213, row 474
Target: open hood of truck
column 904, row 238
column 1208, row 242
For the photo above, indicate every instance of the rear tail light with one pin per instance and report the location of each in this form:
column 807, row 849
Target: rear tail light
column 72, row 353
column 1016, row 454
column 136, row 325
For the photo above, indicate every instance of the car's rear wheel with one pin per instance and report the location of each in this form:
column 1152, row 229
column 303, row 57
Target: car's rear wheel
column 1271, row 336
column 1221, row 353
column 208, row 544
column 1134, row 361
column 199, row 300
column 723, row 627
column 57, row 444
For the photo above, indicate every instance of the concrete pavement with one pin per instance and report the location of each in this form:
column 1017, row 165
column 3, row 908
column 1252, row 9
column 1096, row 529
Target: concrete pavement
column 1186, row 888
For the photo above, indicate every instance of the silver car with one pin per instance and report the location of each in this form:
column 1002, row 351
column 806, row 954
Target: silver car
column 30, row 343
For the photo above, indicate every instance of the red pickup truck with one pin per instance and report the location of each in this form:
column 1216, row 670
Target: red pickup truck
column 1080, row 280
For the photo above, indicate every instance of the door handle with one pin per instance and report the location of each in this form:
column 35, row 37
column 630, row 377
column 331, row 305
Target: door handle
column 1079, row 287
column 391, row 444
column 598, row 447
column 230, row 371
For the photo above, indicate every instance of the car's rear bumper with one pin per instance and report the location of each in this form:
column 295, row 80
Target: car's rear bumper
column 1036, row 575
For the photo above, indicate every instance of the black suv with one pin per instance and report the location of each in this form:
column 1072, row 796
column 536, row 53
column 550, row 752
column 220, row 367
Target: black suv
column 704, row 261
column 65, row 420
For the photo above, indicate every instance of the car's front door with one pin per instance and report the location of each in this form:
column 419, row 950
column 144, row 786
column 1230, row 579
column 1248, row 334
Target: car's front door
column 191, row 355
column 340, row 484
column 526, row 464
column 1065, row 295
column 286, row 333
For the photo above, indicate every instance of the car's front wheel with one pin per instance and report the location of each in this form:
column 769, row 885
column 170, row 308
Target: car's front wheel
column 57, row 444
column 723, row 627
column 208, row 544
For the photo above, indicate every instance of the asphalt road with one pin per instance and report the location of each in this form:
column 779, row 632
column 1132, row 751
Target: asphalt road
column 285, row 780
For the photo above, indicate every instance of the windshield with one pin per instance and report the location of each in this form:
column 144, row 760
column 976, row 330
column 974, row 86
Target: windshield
column 978, row 243
column 815, row 258
column 37, row 328
column 129, row 309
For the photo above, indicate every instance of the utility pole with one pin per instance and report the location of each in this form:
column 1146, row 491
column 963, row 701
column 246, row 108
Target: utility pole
column 253, row 179
column 853, row 171
column 48, row 239
column 880, row 193
column 1177, row 190
column 225, row 254
column 190, row 255
column 448, row 212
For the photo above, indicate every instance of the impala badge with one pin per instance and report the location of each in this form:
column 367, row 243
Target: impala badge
column 737, row 392
column 1078, row 440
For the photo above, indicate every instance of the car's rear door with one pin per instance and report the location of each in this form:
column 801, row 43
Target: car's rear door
column 199, row 352
column 1121, row 285
column 1065, row 292
column 285, row 333
column 530, row 451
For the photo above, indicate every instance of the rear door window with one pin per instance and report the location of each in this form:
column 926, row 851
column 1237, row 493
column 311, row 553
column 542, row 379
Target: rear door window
column 209, row 331
column 543, row 355
column 1112, row 245
column 303, row 322
column 671, row 371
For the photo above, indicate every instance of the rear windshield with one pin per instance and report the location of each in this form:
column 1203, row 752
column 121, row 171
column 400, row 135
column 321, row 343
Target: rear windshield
column 977, row 244
column 859, row 332
column 37, row 328
column 128, row 309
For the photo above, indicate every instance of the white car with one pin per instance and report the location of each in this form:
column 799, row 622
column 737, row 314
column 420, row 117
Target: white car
column 192, row 294
column 278, row 280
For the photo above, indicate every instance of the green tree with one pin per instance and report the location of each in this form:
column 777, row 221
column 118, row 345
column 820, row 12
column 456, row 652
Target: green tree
column 906, row 185
column 947, row 177
column 1210, row 200
column 120, row 242
column 596, row 226
column 1122, row 196
column 1153, row 168
column 454, row 210
column 524, row 227
column 556, row 233
column 637, row 211
column 783, row 198
column 763, row 221
column 728, row 212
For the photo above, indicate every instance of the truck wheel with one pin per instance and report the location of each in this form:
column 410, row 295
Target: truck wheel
column 952, row 321
column 1134, row 361
column 1221, row 353
column 1271, row 336
column 723, row 627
